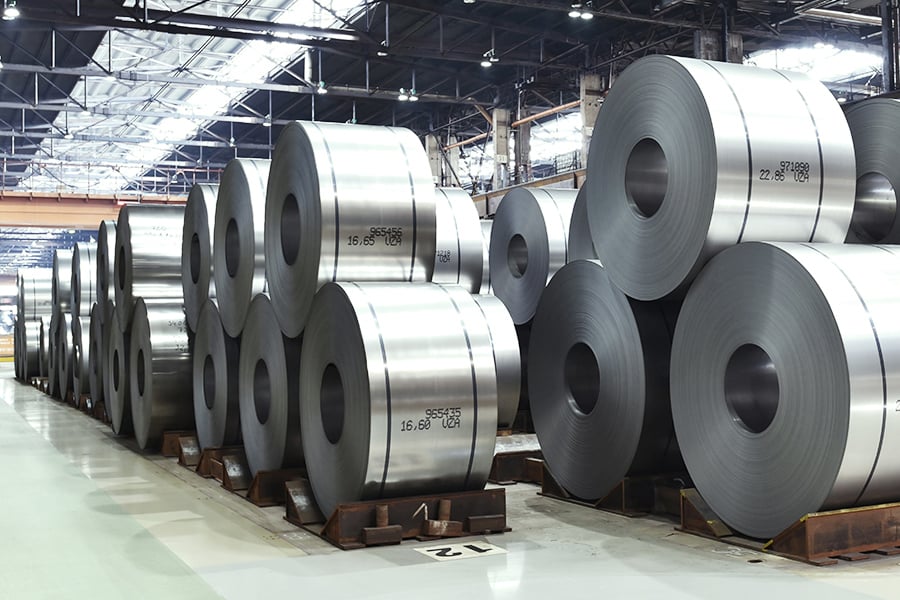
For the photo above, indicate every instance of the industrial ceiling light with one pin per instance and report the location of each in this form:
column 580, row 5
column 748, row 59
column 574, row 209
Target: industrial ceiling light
column 68, row 135
column 267, row 122
column 84, row 112
column 10, row 11
column 581, row 10
column 403, row 97
column 468, row 1
column 321, row 88
column 412, row 95
column 485, row 63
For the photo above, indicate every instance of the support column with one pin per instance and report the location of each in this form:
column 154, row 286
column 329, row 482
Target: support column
column 889, row 45
column 591, row 88
column 433, row 148
column 523, row 152
column 501, row 148
column 451, row 168
column 708, row 46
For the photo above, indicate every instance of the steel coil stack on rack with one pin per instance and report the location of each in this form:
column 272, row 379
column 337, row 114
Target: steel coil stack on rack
column 197, row 281
column 459, row 255
column 96, row 355
column 116, row 388
column 215, row 381
column 34, row 304
column 62, row 311
column 81, row 347
column 106, row 264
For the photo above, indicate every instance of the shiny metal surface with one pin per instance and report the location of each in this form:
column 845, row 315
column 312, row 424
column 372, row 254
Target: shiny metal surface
column 507, row 362
column 64, row 349
column 875, row 127
column 398, row 392
column 581, row 245
column 745, row 154
column 197, row 280
column 61, row 284
column 268, row 386
column 28, row 348
column 52, row 356
column 83, row 288
column 159, row 372
column 598, row 367
column 215, row 377
column 34, row 288
column 96, row 355
column 81, row 348
column 529, row 243
column 117, row 387
column 106, row 266
column 44, row 352
column 345, row 203
column 486, row 226
column 785, row 371
column 148, row 256
column 458, row 258
column 239, row 252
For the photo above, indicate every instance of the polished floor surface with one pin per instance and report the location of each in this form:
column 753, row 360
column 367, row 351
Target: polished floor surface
column 85, row 515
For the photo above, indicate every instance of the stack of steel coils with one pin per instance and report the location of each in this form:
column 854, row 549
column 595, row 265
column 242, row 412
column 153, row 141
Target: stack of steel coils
column 34, row 305
column 84, row 296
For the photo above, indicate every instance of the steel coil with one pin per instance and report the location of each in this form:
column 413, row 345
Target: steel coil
column 581, row 245
column 61, row 284
column 345, row 203
column 44, row 346
column 81, row 346
column 215, row 376
column 875, row 127
column 117, row 387
column 64, row 350
column 598, row 377
column 97, row 355
column 197, row 280
column 398, row 392
column 160, row 368
column 529, row 243
column 106, row 266
column 459, row 255
column 238, row 249
column 268, row 391
column 83, row 288
column 34, row 293
column 53, row 356
column 507, row 360
column 745, row 154
column 784, row 367
column 486, row 227
column 30, row 344
column 148, row 256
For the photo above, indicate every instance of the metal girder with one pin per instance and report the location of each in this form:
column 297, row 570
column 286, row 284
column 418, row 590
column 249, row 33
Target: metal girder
column 136, row 140
column 28, row 159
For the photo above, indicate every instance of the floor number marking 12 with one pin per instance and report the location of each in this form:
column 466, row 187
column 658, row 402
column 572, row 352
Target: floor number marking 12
column 459, row 551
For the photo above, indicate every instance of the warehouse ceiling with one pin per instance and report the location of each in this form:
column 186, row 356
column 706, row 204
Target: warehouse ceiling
column 151, row 96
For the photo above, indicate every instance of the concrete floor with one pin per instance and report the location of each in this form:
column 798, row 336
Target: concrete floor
column 82, row 515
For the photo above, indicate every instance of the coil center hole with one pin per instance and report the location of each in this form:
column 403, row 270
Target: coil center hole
column 209, row 382
column 751, row 388
column 115, row 369
column 262, row 392
column 646, row 177
column 141, row 379
column 517, row 256
column 582, row 373
column 232, row 248
column 331, row 399
column 120, row 272
column 875, row 208
column 290, row 229
column 195, row 258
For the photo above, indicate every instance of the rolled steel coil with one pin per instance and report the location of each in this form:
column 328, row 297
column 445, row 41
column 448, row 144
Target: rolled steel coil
column 106, row 266
column 345, row 203
column 61, row 284
column 598, row 375
column 97, row 355
column 44, row 353
column 29, row 348
column 581, row 246
column 486, row 226
column 81, row 349
column 238, row 246
column 459, row 255
column 215, row 377
column 160, row 372
column 197, row 280
column 745, row 154
column 53, row 356
column 785, row 366
column 117, row 388
column 875, row 127
column 529, row 243
column 148, row 256
column 398, row 392
column 35, row 293
column 507, row 360
column 64, row 348
column 84, row 279
column 268, row 391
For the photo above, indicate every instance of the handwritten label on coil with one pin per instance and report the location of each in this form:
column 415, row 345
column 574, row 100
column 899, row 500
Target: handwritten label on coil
column 438, row 418
column 787, row 170
column 378, row 236
column 460, row 551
